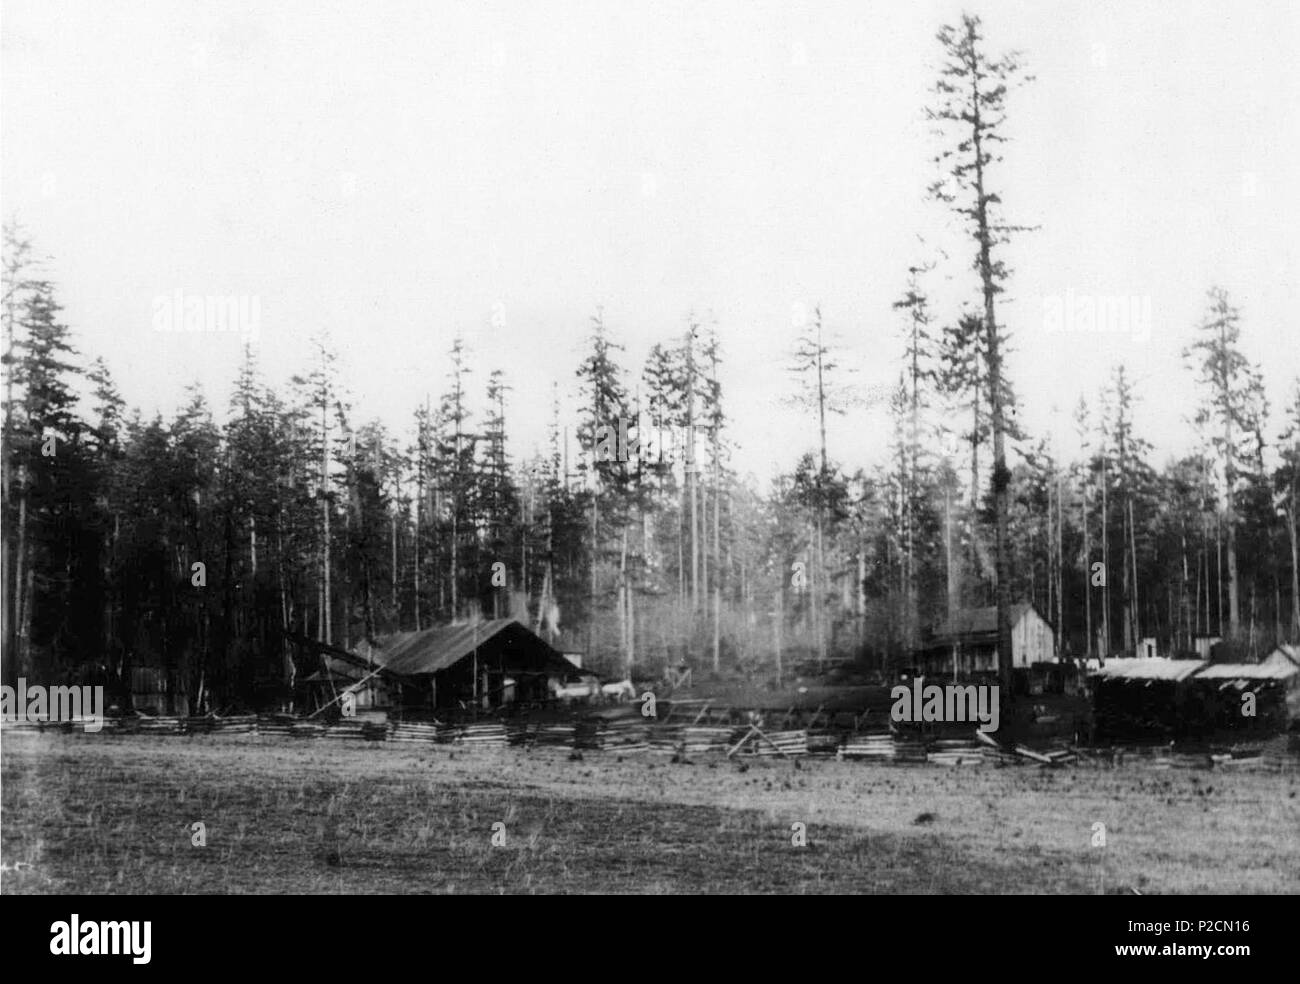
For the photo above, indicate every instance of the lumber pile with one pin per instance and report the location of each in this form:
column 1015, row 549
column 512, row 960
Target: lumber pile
column 952, row 752
column 697, row 740
column 73, row 726
column 909, row 749
column 783, row 743
column 823, row 742
column 665, row 738
column 344, row 729
column 689, row 739
column 996, row 755
column 307, row 730
column 621, row 735
column 520, row 732
column 1185, row 760
column 239, row 724
column 275, row 725
column 236, row 724
column 414, row 732
column 482, row 735
column 146, row 725
column 556, row 734
column 877, row 747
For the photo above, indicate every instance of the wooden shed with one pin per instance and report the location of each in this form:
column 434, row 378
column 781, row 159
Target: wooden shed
column 475, row 666
column 1227, row 688
column 967, row 642
column 1145, row 699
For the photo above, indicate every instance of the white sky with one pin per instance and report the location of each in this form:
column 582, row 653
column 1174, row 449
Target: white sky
column 395, row 172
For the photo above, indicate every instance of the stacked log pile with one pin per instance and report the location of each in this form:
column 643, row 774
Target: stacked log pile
column 340, row 730
column 697, row 740
column 823, row 742
column 482, row 735
column 876, row 747
column 954, row 751
column 781, row 743
column 910, row 749
column 621, row 735
column 160, row 725
column 557, row 734
column 413, row 732
column 275, row 725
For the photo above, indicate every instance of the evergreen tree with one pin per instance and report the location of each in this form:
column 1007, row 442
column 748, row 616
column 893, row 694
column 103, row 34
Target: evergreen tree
column 971, row 104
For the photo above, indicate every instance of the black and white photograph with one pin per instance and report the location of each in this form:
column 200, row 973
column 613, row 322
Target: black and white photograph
column 703, row 448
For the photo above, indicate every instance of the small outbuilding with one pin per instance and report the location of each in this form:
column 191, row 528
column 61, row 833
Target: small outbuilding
column 966, row 643
column 1261, row 696
column 1146, row 699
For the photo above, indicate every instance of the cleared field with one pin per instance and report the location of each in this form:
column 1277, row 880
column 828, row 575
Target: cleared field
column 95, row 815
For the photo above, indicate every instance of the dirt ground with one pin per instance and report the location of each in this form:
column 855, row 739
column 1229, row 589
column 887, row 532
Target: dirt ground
column 99, row 814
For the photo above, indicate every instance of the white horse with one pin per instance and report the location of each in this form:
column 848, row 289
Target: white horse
column 584, row 690
column 619, row 692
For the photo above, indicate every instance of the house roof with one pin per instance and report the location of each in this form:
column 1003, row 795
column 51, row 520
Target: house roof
column 1248, row 671
column 968, row 622
column 1153, row 668
column 436, row 649
column 1283, row 654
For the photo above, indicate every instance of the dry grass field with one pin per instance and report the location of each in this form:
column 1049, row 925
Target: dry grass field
column 93, row 815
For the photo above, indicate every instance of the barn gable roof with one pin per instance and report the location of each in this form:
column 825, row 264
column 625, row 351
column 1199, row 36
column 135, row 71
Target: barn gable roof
column 437, row 649
column 968, row 624
column 1283, row 655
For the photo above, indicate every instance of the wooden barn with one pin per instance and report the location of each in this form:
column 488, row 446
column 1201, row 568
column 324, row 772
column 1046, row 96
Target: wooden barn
column 476, row 666
column 966, row 643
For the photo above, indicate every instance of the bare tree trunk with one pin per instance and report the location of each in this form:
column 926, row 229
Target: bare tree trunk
column 952, row 599
column 1184, row 627
column 624, row 643
column 1137, row 610
column 1295, row 568
column 325, row 632
column 1060, row 563
column 1087, row 563
column 22, row 580
column 816, row 593
column 415, row 568
column 455, row 537
column 1105, row 560
column 717, row 555
column 1218, row 581
column 778, row 618
column 692, row 475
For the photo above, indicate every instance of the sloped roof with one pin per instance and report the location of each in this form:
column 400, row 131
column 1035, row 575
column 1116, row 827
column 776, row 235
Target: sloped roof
column 1248, row 671
column 968, row 622
column 1150, row 669
column 1283, row 654
column 436, row 649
